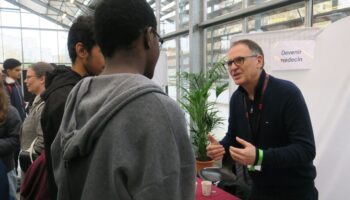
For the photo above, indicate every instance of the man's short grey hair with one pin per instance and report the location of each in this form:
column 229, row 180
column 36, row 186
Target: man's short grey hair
column 41, row 68
column 253, row 47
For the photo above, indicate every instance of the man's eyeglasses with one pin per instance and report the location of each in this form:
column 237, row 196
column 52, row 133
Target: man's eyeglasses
column 29, row 77
column 238, row 61
column 160, row 39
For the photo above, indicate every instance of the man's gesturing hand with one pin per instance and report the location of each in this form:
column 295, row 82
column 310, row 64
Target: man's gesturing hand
column 244, row 156
column 215, row 150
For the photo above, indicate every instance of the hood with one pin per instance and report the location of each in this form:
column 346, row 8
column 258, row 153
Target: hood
column 60, row 77
column 91, row 105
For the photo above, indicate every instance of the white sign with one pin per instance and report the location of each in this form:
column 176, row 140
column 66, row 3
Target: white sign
column 292, row 55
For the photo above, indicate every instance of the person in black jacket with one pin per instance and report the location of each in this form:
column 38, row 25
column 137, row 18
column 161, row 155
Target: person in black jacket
column 10, row 124
column 87, row 60
column 269, row 129
column 12, row 69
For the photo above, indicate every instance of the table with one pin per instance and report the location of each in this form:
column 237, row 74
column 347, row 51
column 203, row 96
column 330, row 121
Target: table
column 216, row 193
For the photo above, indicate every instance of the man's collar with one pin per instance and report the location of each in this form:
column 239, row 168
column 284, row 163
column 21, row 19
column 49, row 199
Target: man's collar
column 9, row 80
column 258, row 87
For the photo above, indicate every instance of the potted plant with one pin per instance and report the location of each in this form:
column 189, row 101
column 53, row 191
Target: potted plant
column 195, row 93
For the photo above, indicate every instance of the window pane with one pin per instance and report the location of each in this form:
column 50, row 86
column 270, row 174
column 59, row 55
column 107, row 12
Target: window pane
column 12, row 43
column 30, row 20
column 11, row 18
column 184, row 61
column 219, row 40
column 63, row 56
column 170, row 47
column 216, row 8
column 49, row 46
column 184, row 10
column 4, row 4
column 44, row 23
column 167, row 16
column 184, row 57
column 290, row 16
column 31, row 46
column 256, row 2
column 328, row 11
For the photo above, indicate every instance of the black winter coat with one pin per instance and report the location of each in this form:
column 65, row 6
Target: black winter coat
column 58, row 85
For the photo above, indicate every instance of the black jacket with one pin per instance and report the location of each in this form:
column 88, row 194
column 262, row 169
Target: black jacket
column 58, row 85
column 9, row 137
column 283, row 131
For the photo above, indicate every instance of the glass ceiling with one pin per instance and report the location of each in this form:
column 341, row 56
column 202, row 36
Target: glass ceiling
column 62, row 12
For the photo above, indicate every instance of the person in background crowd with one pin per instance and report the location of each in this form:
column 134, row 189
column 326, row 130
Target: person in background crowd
column 32, row 141
column 87, row 60
column 269, row 129
column 4, row 182
column 121, row 136
column 10, row 124
column 12, row 70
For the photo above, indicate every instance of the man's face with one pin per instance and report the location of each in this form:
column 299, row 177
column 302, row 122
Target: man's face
column 34, row 83
column 247, row 65
column 14, row 73
column 95, row 62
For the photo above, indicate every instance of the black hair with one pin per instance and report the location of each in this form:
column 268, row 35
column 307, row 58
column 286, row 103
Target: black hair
column 82, row 30
column 119, row 22
column 11, row 63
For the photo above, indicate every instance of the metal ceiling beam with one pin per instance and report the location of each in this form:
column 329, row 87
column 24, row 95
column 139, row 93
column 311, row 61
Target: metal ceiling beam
column 37, row 13
column 58, row 11
column 84, row 8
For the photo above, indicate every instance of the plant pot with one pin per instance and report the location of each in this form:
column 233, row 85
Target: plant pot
column 203, row 164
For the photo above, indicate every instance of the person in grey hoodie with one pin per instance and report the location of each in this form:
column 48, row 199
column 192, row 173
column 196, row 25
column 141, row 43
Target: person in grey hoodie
column 121, row 136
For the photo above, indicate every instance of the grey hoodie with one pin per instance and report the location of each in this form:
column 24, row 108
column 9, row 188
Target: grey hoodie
column 122, row 138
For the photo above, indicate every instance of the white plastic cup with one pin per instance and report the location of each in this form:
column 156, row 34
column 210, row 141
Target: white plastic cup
column 206, row 188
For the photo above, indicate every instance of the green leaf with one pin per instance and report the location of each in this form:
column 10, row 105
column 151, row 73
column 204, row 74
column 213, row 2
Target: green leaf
column 194, row 100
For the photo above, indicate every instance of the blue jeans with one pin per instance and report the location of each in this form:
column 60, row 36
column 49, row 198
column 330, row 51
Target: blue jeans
column 12, row 184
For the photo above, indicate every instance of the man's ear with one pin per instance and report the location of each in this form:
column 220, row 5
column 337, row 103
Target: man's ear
column 147, row 37
column 42, row 80
column 80, row 50
column 260, row 60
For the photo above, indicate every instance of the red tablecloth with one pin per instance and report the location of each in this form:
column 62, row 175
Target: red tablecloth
column 216, row 193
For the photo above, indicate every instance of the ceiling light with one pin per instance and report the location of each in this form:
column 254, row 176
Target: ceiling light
column 64, row 15
column 71, row 1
